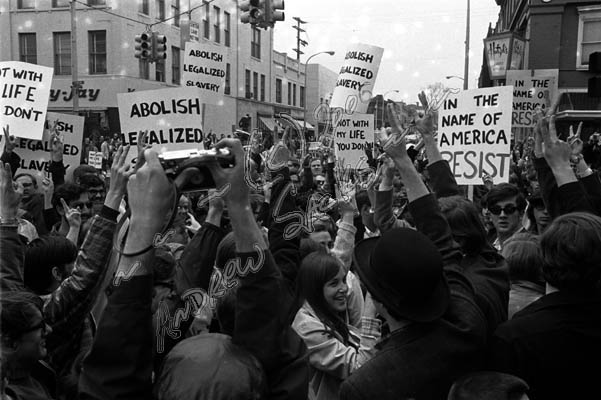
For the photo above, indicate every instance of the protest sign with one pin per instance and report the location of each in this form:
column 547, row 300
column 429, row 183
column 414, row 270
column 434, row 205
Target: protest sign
column 531, row 89
column 172, row 117
column 352, row 135
column 95, row 159
column 474, row 130
column 204, row 68
column 24, row 94
column 35, row 154
column 357, row 77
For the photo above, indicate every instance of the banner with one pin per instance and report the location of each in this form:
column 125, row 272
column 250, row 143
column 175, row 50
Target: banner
column 530, row 90
column 172, row 117
column 357, row 77
column 35, row 154
column 204, row 68
column 351, row 137
column 24, row 93
column 95, row 159
column 474, row 131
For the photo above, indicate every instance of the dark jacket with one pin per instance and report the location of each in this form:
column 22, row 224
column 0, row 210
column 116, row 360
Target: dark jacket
column 554, row 345
column 423, row 360
column 67, row 309
column 486, row 269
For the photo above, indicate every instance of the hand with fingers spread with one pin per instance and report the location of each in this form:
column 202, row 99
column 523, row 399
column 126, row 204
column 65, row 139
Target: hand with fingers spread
column 9, row 196
column 120, row 173
column 394, row 144
column 9, row 141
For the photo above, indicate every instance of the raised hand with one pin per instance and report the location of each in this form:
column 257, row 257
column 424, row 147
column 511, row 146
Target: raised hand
column 120, row 173
column 48, row 191
column 9, row 141
column 394, row 145
column 9, row 196
column 141, row 146
column 192, row 224
column 56, row 146
column 239, row 193
column 72, row 215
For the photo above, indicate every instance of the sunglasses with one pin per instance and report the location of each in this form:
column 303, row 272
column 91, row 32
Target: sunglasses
column 508, row 209
column 89, row 205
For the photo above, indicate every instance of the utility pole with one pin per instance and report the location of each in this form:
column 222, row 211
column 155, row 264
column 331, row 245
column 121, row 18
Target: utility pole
column 467, row 49
column 299, row 41
column 74, row 75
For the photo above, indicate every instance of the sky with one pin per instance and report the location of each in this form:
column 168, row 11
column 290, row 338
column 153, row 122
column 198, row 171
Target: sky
column 423, row 40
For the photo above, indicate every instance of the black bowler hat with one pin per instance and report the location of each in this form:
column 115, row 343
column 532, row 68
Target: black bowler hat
column 402, row 269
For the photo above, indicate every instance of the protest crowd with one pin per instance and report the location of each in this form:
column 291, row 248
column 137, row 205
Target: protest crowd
column 296, row 276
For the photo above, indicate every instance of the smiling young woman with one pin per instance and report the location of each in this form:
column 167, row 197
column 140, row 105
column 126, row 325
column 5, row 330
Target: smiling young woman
column 336, row 348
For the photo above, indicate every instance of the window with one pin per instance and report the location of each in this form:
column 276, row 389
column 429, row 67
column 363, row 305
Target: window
column 144, row 69
column 289, row 93
column 227, row 78
column 302, row 96
column 217, row 26
column 97, row 2
column 589, row 34
column 207, row 22
column 28, row 48
column 278, row 90
column 143, row 7
column 294, row 94
column 255, row 86
column 160, row 9
column 25, row 4
column 262, row 87
column 226, row 29
column 62, row 53
column 255, row 44
column 60, row 3
column 175, row 12
column 247, row 84
column 97, row 48
column 159, row 69
column 175, row 74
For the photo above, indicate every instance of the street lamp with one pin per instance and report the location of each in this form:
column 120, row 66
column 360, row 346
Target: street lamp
column 454, row 76
column 305, row 99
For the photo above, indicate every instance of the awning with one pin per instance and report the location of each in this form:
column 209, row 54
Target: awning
column 578, row 105
column 309, row 126
column 268, row 123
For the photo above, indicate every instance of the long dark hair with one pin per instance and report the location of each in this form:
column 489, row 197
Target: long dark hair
column 316, row 269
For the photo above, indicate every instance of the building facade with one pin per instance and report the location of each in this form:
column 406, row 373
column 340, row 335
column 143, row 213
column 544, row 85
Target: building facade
column 259, row 81
column 559, row 34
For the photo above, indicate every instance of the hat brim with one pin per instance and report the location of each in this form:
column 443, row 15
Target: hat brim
column 426, row 310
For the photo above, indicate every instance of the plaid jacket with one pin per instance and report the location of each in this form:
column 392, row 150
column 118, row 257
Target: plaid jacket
column 67, row 309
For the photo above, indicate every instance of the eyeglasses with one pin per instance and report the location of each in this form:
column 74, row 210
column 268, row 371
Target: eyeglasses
column 508, row 209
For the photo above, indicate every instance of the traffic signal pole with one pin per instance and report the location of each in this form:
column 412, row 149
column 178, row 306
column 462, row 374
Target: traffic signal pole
column 74, row 74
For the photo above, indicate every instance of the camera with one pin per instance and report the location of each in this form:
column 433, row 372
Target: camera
column 190, row 168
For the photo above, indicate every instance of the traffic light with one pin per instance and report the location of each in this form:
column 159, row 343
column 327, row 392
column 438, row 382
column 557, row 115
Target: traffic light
column 251, row 12
column 272, row 11
column 594, row 66
column 159, row 47
column 143, row 45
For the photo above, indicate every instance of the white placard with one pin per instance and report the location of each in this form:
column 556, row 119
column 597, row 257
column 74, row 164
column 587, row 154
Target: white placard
column 353, row 133
column 205, row 68
column 530, row 90
column 24, row 94
column 474, row 132
column 357, row 78
column 95, row 159
column 172, row 117
column 35, row 154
